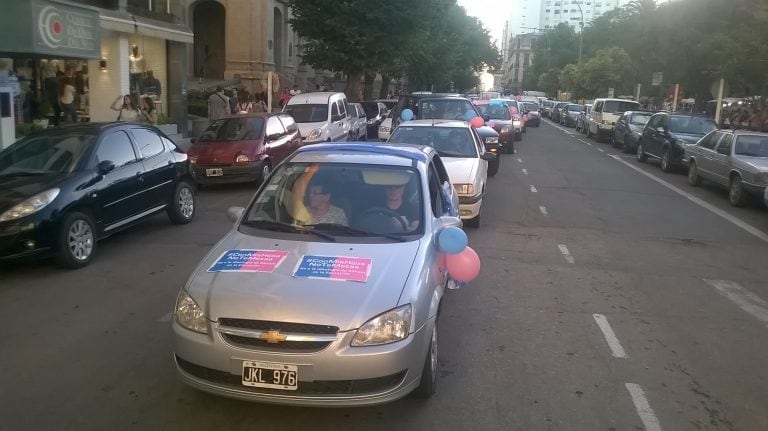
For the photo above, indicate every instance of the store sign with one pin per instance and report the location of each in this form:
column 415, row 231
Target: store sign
column 65, row 30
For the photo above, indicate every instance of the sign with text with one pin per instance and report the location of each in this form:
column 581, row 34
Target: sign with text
column 242, row 260
column 338, row 268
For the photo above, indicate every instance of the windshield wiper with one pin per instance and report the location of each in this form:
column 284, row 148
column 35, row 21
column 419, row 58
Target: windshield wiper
column 353, row 231
column 287, row 227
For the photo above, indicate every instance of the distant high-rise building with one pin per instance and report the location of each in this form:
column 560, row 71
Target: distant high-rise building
column 526, row 17
column 554, row 12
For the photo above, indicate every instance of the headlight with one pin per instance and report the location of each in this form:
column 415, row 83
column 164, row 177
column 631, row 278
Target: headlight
column 384, row 129
column 516, row 123
column 189, row 315
column 30, row 206
column 492, row 140
column 761, row 178
column 242, row 158
column 506, row 129
column 371, row 122
column 193, row 160
column 385, row 328
column 315, row 134
column 464, row 189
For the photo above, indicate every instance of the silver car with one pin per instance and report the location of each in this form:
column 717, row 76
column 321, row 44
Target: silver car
column 359, row 129
column 327, row 290
column 735, row 159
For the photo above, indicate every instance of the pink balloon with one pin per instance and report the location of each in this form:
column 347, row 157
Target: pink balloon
column 477, row 122
column 464, row 266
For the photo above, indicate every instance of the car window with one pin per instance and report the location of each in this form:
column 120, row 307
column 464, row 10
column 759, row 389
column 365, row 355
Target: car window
column 639, row 119
column 495, row 112
column 693, row 125
column 664, row 121
column 335, row 109
column 117, row 148
column 289, row 123
column 710, row 140
column 371, row 109
column 724, row 147
column 598, row 106
column 48, row 153
column 233, row 129
column 344, row 107
column 274, row 127
column 448, row 141
column 752, row 145
column 149, row 142
column 444, row 109
column 308, row 113
column 435, row 197
column 616, row 106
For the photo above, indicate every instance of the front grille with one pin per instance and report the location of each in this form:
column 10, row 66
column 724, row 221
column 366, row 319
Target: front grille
column 318, row 387
column 283, row 346
column 266, row 325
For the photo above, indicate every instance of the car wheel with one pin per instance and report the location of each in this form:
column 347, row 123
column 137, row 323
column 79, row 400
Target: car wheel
column 182, row 207
column 518, row 136
column 510, row 148
column 474, row 222
column 77, row 240
column 624, row 147
column 736, row 194
column 493, row 167
column 589, row 133
column 428, row 384
column 640, row 153
column 666, row 164
column 693, row 175
column 613, row 141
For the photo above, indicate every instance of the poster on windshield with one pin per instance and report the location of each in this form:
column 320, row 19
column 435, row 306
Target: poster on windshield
column 339, row 268
column 244, row 260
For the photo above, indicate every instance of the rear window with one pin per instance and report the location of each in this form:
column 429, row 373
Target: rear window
column 752, row 145
column 574, row 108
column 640, row 119
column 233, row 129
column 691, row 125
column 448, row 141
column 531, row 106
column 371, row 109
column 308, row 113
column 618, row 107
column 495, row 112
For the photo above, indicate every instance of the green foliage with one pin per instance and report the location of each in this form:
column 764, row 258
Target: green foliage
column 197, row 102
column 25, row 129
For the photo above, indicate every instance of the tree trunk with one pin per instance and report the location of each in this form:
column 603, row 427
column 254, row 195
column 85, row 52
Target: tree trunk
column 384, row 91
column 352, row 90
column 368, row 90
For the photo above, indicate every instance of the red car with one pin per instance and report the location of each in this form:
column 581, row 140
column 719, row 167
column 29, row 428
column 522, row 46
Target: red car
column 243, row 148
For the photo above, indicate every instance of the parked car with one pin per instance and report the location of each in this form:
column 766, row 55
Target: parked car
column 243, row 148
column 734, row 159
column 389, row 103
column 569, row 113
column 497, row 115
column 463, row 154
column 255, row 322
column 665, row 134
column 429, row 106
column 63, row 189
column 605, row 113
column 518, row 116
column 534, row 115
column 321, row 117
column 582, row 118
column 385, row 128
column 359, row 127
column 629, row 129
column 546, row 108
column 375, row 112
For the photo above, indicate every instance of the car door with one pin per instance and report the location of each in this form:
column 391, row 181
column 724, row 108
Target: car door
column 158, row 166
column 276, row 141
column 705, row 153
column 337, row 123
column 622, row 126
column 294, row 136
column 482, row 167
column 651, row 135
column 721, row 159
column 592, row 117
column 118, row 193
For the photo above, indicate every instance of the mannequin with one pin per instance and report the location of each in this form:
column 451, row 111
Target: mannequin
column 50, row 72
column 136, row 69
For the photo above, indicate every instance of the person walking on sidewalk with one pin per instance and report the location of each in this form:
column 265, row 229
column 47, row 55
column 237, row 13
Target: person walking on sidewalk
column 218, row 105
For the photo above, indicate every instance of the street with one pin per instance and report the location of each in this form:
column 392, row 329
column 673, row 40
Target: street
column 612, row 296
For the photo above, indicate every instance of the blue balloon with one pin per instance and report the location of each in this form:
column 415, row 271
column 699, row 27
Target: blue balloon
column 452, row 240
column 406, row 115
column 470, row 114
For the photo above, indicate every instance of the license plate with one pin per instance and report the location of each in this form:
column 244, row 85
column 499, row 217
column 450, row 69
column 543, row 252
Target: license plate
column 270, row 375
column 214, row 172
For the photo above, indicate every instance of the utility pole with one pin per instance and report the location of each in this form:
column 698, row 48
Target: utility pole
column 581, row 27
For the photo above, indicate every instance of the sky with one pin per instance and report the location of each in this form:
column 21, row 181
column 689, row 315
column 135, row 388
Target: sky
column 493, row 14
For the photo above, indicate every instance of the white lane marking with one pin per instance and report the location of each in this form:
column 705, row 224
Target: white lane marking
column 519, row 160
column 610, row 337
column 166, row 317
column 525, row 171
column 544, row 210
column 588, row 143
column 698, row 201
column 644, row 409
column 584, row 142
column 742, row 297
column 601, row 150
column 533, row 189
column 566, row 253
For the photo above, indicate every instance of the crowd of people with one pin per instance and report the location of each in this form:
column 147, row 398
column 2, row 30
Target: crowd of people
column 752, row 115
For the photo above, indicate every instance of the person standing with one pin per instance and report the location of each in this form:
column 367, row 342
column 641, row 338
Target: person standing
column 259, row 105
column 126, row 106
column 67, row 100
column 218, row 105
column 295, row 90
column 285, row 97
column 149, row 111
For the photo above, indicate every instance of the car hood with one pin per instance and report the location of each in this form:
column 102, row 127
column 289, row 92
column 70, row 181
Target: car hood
column 221, row 151
column 487, row 131
column 14, row 190
column 305, row 128
column 758, row 163
column 279, row 296
column 461, row 170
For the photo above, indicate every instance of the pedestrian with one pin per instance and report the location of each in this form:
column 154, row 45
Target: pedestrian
column 67, row 100
column 149, row 111
column 218, row 105
column 295, row 90
column 246, row 106
column 233, row 100
column 259, row 105
column 127, row 108
column 285, row 97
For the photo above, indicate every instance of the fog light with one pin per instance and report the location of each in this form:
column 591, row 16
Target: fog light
column 29, row 244
column 493, row 150
column 465, row 212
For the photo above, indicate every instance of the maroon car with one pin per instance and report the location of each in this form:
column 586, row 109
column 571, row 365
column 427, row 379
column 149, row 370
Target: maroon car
column 243, row 148
column 497, row 115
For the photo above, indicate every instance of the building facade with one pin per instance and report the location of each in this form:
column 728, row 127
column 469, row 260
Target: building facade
column 520, row 58
column 572, row 12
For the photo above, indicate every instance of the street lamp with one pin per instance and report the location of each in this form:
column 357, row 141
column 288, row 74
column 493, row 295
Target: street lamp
column 581, row 26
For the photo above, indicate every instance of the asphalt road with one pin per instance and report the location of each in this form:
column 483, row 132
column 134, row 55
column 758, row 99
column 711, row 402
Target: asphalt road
column 608, row 300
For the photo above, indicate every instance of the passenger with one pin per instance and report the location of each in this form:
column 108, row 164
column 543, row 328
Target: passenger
column 311, row 200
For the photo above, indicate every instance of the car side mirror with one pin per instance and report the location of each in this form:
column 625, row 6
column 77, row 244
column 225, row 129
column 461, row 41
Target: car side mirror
column 486, row 118
column 661, row 130
column 274, row 136
column 488, row 156
column 105, row 166
column 234, row 213
column 449, row 221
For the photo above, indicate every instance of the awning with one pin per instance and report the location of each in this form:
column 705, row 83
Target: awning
column 124, row 22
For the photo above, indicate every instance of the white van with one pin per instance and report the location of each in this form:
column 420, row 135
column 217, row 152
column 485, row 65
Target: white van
column 322, row 117
column 605, row 113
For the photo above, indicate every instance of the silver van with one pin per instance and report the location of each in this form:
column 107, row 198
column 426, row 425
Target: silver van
column 322, row 117
column 604, row 115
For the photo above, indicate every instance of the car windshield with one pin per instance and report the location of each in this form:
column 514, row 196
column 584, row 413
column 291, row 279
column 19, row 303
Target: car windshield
column 617, row 107
column 308, row 113
column 691, row 125
column 531, row 106
column 495, row 111
column 448, row 141
column 444, row 109
column 752, row 145
column 233, row 129
column 639, row 119
column 45, row 154
column 575, row 108
column 371, row 109
column 339, row 199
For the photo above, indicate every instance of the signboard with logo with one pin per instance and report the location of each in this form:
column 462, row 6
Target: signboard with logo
column 50, row 28
column 656, row 78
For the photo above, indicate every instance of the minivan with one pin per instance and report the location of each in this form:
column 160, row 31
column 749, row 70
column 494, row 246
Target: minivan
column 321, row 117
column 604, row 115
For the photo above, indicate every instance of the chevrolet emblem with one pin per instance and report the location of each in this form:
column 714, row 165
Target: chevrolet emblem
column 272, row 337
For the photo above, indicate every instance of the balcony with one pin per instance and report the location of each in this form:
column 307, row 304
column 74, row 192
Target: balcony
column 161, row 10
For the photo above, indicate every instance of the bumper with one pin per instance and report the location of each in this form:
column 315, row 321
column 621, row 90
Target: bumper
column 337, row 376
column 605, row 129
column 230, row 173
column 534, row 121
column 755, row 189
column 28, row 237
column 469, row 206
column 493, row 148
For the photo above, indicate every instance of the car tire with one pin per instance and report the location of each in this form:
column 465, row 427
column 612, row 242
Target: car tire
column 493, row 167
column 182, row 207
column 693, row 174
column 736, row 193
column 510, row 148
column 624, row 147
column 518, row 136
column 474, row 222
column 640, row 153
column 613, row 141
column 428, row 384
column 666, row 163
column 589, row 133
column 77, row 240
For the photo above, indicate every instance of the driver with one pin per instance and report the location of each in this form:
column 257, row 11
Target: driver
column 455, row 143
column 395, row 202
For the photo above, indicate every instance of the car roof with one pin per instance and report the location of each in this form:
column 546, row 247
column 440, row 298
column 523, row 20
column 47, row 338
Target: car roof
column 365, row 152
column 435, row 123
column 307, row 98
column 745, row 132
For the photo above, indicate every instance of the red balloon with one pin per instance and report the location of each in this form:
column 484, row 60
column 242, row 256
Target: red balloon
column 477, row 122
column 464, row 266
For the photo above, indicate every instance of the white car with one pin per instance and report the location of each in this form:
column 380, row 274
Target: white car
column 359, row 128
column 462, row 152
column 322, row 117
column 385, row 129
